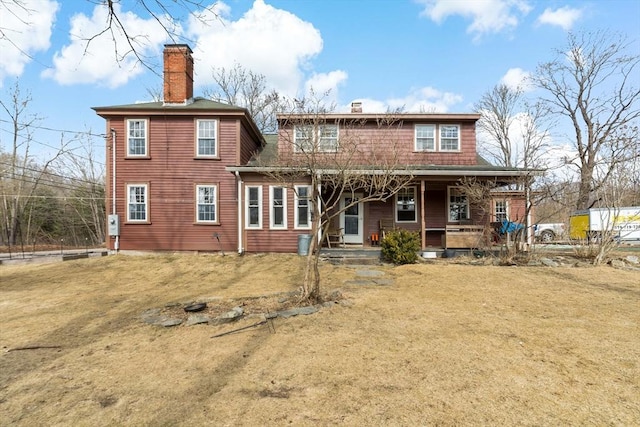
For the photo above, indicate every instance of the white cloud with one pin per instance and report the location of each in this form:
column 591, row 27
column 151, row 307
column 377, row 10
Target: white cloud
column 564, row 17
column 517, row 78
column 488, row 16
column 101, row 61
column 266, row 40
column 26, row 29
column 421, row 100
column 326, row 83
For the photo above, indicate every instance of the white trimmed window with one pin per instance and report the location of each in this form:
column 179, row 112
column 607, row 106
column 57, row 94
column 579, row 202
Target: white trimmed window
column 137, row 202
column 206, row 203
column 253, row 217
column 449, row 138
column 458, row 205
column 500, row 210
column 406, row 205
column 278, row 207
column 425, row 138
column 207, row 144
column 322, row 138
column 137, row 138
column 302, row 210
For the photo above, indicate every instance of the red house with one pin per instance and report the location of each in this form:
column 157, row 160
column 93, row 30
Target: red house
column 189, row 174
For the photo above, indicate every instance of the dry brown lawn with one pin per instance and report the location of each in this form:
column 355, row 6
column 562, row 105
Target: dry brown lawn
column 445, row 344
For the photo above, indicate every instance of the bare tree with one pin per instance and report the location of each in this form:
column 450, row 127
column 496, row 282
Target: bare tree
column 126, row 38
column 20, row 178
column 591, row 84
column 245, row 88
column 355, row 163
column 87, row 195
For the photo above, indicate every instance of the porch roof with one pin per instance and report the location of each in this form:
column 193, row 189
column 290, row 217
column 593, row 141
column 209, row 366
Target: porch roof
column 415, row 170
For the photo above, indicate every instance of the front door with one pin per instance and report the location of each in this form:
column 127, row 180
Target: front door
column 351, row 219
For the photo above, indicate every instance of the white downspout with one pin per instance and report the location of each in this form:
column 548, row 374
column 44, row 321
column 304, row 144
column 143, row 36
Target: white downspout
column 116, row 245
column 239, row 181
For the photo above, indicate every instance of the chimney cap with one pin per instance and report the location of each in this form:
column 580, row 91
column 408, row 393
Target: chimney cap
column 356, row 107
column 178, row 46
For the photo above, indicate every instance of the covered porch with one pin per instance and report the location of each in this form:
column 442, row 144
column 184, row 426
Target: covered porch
column 432, row 205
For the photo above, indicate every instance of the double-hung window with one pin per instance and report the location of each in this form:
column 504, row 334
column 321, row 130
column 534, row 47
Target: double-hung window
column 253, row 217
column 425, row 138
column 207, row 143
column 458, row 205
column 449, row 138
column 206, row 203
column 137, row 202
column 500, row 210
column 328, row 138
column 321, row 138
column 406, row 205
column 278, row 207
column 137, row 138
column 302, row 210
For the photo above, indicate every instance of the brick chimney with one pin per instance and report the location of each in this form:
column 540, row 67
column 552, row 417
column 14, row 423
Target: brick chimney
column 356, row 107
column 178, row 74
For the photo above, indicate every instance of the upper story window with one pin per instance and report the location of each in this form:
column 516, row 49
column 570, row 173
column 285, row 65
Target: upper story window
column 207, row 143
column 500, row 210
column 278, row 197
column 449, row 138
column 425, row 138
column 406, row 205
column 254, row 206
column 458, row 205
column 138, row 202
column 206, row 203
column 137, row 138
column 321, row 138
column 302, row 210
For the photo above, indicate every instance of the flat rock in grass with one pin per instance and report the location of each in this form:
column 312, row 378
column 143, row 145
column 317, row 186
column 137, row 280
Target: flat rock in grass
column 171, row 322
column 297, row 310
column 632, row 259
column 548, row 262
column 368, row 273
column 196, row 319
column 229, row 316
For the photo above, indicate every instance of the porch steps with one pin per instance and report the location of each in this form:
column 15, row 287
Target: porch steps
column 352, row 256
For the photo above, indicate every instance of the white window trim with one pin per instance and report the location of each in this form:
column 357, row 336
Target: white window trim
column 246, row 210
column 506, row 209
column 284, row 208
column 415, row 138
column 315, row 139
column 146, row 137
column 215, row 204
column 449, row 206
column 146, row 203
column 415, row 203
column 297, row 226
column 216, row 143
column 457, row 150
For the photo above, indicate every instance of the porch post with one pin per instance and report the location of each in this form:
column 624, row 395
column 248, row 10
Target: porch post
column 423, row 233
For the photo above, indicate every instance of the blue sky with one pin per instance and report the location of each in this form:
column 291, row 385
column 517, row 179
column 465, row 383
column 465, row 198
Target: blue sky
column 425, row 55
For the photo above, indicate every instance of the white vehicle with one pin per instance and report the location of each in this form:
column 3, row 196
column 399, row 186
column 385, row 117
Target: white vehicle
column 548, row 232
column 622, row 224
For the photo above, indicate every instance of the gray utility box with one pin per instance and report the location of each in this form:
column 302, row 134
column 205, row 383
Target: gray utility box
column 114, row 225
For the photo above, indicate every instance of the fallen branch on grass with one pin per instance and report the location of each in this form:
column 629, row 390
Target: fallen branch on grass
column 262, row 322
column 33, row 347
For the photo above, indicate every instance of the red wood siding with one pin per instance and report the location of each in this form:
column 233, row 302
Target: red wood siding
column 374, row 143
column 266, row 239
column 172, row 172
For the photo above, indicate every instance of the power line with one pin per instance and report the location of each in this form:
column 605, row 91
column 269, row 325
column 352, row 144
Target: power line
column 29, row 125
